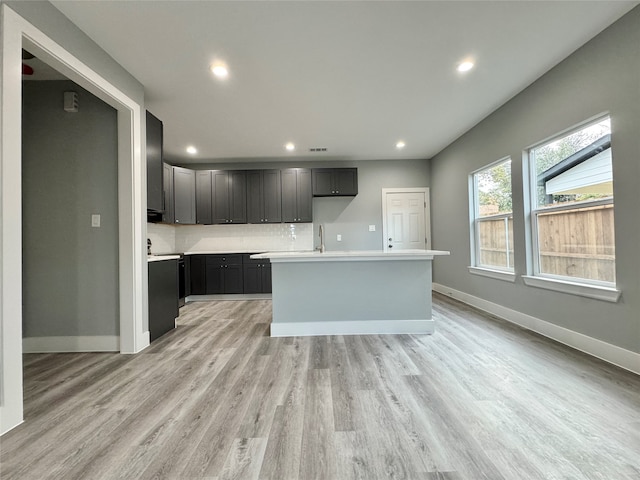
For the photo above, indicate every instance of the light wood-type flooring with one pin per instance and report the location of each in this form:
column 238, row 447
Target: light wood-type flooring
column 219, row 399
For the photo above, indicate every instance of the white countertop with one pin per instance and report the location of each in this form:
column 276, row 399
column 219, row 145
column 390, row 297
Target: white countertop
column 353, row 255
column 159, row 258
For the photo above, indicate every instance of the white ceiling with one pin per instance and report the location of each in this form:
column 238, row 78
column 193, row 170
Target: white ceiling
column 354, row 77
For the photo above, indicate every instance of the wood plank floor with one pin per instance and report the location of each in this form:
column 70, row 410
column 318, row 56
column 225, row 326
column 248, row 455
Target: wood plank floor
column 219, row 399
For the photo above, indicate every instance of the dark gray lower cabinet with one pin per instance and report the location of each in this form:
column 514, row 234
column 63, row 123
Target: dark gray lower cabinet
column 224, row 274
column 197, row 277
column 257, row 275
column 228, row 274
column 163, row 297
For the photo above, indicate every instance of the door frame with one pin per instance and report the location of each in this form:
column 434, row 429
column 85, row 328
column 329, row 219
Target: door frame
column 427, row 213
column 132, row 263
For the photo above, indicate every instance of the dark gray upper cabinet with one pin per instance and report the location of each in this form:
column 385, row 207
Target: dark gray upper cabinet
column 155, row 197
column 335, row 182
column 167, row 191
column 296, row 195
column 203, row 197
column 264, row 196
column 184, row 195
column 228, row 196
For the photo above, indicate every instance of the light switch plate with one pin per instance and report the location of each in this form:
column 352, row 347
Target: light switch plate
column 372, row 228
column 95, row 220
column 339, row 238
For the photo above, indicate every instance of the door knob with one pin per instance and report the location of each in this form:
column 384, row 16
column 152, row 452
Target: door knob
column 390, row 246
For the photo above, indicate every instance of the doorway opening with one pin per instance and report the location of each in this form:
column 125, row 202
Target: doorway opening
column 18, row 33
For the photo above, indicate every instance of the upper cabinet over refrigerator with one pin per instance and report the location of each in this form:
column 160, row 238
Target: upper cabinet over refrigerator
column 155, row 198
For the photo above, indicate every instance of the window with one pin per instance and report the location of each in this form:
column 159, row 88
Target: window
column 572, row 207
column 492, row 217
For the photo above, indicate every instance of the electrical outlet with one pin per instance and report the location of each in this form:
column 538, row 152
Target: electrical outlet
column 95, row 220
column 339, row 237
column 372, row 228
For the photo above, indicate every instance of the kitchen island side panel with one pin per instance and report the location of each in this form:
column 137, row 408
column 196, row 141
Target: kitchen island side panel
column 372, row 297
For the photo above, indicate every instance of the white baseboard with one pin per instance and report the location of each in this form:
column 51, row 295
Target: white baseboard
column 143, row 341
column 605, row 351
column 103, row 343
column 351, row 327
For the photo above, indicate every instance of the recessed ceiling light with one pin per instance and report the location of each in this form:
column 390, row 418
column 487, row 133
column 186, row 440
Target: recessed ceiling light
column 219, row 70
column 400, row 145
column 465, row 66
column 290, row 147
column 192, row 150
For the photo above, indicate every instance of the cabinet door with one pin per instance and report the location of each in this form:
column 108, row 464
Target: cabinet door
column 203, row 197
column 187, row 275
column 252, row 278
column 220, row 196
column 184, row 195
column 255, row 197
column 265, row 272
column 289, row 195
column 233, row 279
column 215, row 279
column 304, row 193
column 345, row 181
column 163, row 297
column 237, row 182
column 167, row 191
column 272, row 196
column 197, row 274
column 323, row 182
column 155, row 186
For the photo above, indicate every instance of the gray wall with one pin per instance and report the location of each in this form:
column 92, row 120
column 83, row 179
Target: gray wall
column 602, row 76
column 69, row 172
column 351, row 216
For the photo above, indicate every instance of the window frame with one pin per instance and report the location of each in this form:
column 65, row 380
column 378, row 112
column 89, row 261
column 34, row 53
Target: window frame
column 491, row 271
column 592, row 288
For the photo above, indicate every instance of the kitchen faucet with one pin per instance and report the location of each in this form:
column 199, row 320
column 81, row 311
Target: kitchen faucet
column 321, row 247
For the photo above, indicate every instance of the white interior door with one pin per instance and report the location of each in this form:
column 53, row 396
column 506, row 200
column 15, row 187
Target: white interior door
column 405, row 220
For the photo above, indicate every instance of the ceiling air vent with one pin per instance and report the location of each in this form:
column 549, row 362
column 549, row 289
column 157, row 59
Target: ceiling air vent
column 318, row 149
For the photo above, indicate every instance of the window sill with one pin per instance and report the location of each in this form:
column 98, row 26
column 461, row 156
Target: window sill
column 495, row 274
column 608, row 294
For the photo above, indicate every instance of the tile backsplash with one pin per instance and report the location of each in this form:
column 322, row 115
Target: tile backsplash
column 163, row 238
column 221, row 238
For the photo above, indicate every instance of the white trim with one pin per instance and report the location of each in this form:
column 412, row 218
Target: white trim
column 495, row 274
column 352, row 327
column 427, row 213
column 608, row 294
column 16, row 32
column 605, row 351
column 11, row 410
column 107, row 343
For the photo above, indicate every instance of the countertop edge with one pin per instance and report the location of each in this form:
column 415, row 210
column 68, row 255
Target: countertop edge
column 160, row 258
column 315, row 256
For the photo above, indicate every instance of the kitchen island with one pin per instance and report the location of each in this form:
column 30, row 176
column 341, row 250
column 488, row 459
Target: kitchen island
column 351, row 293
